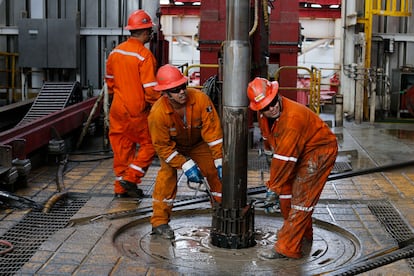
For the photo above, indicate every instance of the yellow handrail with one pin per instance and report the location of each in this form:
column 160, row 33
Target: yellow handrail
column 9, row 68
column 198, row 66
column 391, row 7
column 314, row 86
column 396, row 8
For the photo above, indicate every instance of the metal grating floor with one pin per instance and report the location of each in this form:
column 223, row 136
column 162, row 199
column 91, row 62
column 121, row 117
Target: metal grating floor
column 35, row 228
column 393, row 223
column 341, row 167
column 391, row 220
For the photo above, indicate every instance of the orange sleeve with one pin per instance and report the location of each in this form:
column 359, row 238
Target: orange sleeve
column 149, row 80
column 211, row 131
column 298, row 131
column 285, row 156
column 109, row 77
column 160, row 127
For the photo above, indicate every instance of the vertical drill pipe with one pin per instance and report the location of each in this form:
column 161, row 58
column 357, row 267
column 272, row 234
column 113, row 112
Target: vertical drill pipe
column 233, row 220
column 234, row 121
column 235, row 158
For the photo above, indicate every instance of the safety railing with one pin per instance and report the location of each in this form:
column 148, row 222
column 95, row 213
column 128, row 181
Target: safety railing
column 315, row 90
column 311, row 92
column 396, row 8
column 8, row 73
column 391, row 7
column 329, row 86
column 189, row 67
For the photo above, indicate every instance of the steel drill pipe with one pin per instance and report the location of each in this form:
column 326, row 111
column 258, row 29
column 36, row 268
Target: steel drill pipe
column 233, row 220
column 234, row 121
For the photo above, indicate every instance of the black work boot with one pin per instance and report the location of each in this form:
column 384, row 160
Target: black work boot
column 164, row 230
column 131, row 189
column 123, row 195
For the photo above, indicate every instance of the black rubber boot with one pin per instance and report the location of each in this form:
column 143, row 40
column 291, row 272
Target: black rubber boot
column 132, row 189
column 164, row 230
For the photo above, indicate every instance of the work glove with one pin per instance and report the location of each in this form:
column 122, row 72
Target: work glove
column 271, row 203
column 192, row 172
column 219, row 167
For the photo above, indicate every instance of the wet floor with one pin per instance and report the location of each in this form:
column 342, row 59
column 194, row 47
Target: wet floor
column 360, row 221
column 191, row 249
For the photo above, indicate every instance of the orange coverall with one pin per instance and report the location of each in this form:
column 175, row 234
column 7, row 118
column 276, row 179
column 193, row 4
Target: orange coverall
column 304, row 153
column 130, row 76
column 199, row 138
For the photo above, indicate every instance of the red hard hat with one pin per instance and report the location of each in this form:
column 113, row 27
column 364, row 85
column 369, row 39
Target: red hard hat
column 139, row 19
column 261, row 92
column 168, row 76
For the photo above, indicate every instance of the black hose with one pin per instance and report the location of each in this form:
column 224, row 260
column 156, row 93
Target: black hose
column 91, row 159
column 354, row 269
column 370, row 170
column 337, row 176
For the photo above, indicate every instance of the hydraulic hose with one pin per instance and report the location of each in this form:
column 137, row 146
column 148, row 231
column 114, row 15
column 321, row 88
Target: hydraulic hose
column 371, row 170
column 8, row 245
column 355, row 269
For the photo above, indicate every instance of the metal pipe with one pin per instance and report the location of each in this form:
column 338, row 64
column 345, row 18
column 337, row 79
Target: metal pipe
column 235, row 102
column 233, row 220
column 370, row 170
column 343, row 175
column 235, row 158
column 339, row 112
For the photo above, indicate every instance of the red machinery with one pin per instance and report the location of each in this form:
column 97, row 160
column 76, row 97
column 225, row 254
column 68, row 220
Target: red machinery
column 274, row 43
column 320, row 8
column 268, row 43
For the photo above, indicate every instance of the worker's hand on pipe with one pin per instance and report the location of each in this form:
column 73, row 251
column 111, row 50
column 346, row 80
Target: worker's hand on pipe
column 192, row 172
column 271, row 203
column 218, row 163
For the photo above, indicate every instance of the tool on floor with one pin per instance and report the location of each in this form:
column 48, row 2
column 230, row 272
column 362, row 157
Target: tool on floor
column 20, row 199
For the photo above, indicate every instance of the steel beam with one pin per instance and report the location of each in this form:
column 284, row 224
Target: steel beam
column 39, row 132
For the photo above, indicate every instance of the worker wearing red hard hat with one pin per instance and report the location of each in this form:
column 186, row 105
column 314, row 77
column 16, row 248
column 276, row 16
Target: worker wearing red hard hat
column 304, row 151
column 186, row 133
column 130, row 77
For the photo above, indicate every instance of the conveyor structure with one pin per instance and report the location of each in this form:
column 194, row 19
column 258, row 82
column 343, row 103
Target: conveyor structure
column 57, row 111
column 54, row 96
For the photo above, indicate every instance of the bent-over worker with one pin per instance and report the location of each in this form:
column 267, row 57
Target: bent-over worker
column 304, row 152
column 186, row 133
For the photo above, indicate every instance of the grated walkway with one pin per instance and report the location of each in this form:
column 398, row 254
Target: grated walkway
column 375, row 208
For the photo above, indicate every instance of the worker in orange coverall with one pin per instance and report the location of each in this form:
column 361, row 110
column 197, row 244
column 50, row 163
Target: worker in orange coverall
column 304, row 151
column 186, row 133
column 130, row 77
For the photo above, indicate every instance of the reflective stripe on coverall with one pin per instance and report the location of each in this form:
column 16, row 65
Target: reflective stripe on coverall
column 130, row 76
column 200, row 138
column 304, row 153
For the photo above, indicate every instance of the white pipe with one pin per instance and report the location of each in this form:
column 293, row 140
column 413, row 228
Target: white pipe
column 349, row 17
